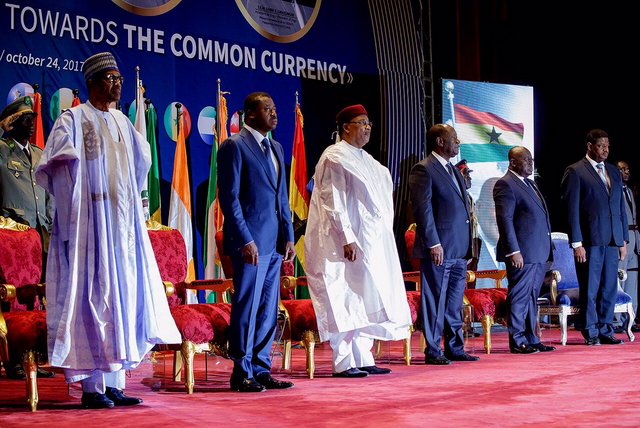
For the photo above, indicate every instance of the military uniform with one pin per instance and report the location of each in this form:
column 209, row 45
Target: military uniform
column 21, row 199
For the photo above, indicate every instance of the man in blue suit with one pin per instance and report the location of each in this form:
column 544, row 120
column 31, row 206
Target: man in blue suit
column 257, row 233
column 597, row 223
column 443, row 244
column 524, row 246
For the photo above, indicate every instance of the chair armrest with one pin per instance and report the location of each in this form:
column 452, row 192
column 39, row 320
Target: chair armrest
column 496, row 274
column 413, row 277
column 287, row 287
column 222, row 287
column 169, row 288
column 7, row 292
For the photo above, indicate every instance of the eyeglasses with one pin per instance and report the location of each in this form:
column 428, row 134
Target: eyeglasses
column 364, row 123
column 112, row 79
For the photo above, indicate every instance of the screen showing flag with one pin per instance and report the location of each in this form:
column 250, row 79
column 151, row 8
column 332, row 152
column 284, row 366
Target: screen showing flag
column 490, row 119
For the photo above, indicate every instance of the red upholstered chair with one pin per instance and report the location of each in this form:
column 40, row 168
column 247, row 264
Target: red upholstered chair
column 483, row 305
column 23, row 326
column 204, row 327
column 301, row 324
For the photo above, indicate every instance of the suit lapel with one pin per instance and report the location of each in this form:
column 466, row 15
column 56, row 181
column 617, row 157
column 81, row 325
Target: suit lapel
column 596, row 177
column 254, row 147
column 446, row 177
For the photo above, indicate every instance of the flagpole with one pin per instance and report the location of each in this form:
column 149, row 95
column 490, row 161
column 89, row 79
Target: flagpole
column 144, row 193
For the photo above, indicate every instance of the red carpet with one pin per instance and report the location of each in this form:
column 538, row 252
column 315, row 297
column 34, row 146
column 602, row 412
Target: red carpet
column 573, row 386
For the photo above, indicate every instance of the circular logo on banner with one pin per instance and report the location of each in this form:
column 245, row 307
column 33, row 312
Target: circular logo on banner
column 19, row 90
column 147, row 7
column 60, row 101
column 207, row 125
column 280, row 20
column 171, row 120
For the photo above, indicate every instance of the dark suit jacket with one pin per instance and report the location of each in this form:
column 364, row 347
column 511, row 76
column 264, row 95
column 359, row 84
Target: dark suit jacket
column 255, row 207
column 441, row 212
column 523, row 221
column 596, row 217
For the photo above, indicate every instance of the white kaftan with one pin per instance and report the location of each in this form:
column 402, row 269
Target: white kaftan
column 106, row 305
column 352, row 202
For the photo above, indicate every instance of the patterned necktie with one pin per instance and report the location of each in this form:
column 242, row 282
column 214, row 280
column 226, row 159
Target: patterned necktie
column 266, row 147
column 627, row 196
column 453, row 177
column 603, row 176
column 532, row 185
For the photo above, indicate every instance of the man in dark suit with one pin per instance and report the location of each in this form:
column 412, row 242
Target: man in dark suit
column 597, row 224
column 524, row 246
column 443, row 244
column 630, row 263
column 257, row 232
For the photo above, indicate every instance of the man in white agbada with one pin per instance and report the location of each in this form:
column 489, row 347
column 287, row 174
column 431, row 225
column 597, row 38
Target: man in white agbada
column 106, row 303
column 354, row 274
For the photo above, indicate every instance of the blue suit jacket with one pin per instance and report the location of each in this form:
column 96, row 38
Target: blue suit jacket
column 441, row 212
column 255, row 207
column 595, row 217
column 523, row 221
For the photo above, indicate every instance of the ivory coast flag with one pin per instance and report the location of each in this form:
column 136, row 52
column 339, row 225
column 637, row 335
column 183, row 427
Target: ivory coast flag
column 485, row 137
column 298, row 196
column 213, row 222
column 180, row 203
column 37, row 139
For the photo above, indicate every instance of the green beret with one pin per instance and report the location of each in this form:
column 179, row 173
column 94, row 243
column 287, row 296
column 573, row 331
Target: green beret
column 13, row 111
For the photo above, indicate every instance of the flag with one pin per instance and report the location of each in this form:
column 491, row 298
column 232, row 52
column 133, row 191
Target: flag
column 485, row 137
column 37, row 139
column 76, row 99
column 213, row 222
column 140, row 123
column 180, row 202
column 298, row 195
column 153, row 179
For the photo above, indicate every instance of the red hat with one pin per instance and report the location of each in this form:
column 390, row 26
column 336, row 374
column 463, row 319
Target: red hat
column 348, row 113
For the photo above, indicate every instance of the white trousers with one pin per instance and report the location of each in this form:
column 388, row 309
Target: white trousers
column 351, row 349
column 99, row 380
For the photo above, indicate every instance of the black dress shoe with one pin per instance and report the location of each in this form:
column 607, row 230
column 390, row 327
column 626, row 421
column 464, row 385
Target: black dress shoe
column 95, row 400
column 15, row 372
column 439, row 360
column 374, row 370
column 618, row 329
column 462, row 357
column 42, row 373
column 542, row 347
column 120, row 399
column 271, row 383
column 635, row 328
column 523, row 349
column 353, row 372
column 247, row 385
column 610, row 340
column 592, row 341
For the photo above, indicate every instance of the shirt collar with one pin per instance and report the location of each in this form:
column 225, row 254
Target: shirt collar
column 440, row 159
column 257, row 135
column 593, row 163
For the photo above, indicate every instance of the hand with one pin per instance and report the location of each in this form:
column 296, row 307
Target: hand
column 437, row 255
column 580, row 254
column 517, row 261
column 289, row 251
column 350, row 251
column 623, row 251
column 250, row 253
